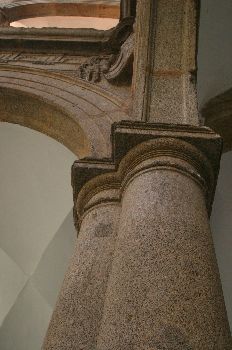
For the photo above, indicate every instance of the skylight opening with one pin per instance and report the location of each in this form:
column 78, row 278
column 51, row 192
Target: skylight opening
column 66, row 22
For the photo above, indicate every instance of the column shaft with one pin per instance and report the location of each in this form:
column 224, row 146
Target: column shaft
column 78, row 311
column 164, row 291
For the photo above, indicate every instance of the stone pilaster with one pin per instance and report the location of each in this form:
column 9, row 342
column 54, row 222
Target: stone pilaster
column 164, row 290
column 76, row 319
column 165, row 61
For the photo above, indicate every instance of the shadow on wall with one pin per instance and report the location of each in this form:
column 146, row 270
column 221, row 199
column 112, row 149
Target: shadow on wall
column 221, row 223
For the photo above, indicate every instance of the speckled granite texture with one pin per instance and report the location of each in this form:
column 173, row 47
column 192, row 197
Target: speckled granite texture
column 164, row 291
column 78, row 312
column 157, row 284
column 165, row 61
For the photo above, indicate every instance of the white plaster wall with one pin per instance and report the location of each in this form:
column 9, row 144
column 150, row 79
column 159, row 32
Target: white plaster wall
column 214, row 77
column 36, row 232
column 215, row 49
column 221, row 224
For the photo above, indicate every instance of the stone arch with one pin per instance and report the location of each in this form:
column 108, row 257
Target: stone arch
column 74, row 112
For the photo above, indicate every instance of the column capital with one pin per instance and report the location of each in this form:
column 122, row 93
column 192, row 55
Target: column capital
column 94, row 182
column 139, row 147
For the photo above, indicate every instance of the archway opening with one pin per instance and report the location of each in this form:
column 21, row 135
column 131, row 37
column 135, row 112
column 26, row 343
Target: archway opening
column 36, row 232
column 30, row 111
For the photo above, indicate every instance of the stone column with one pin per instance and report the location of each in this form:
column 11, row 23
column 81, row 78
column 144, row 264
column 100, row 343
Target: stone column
column 165, row 61
column 164, row 291
column 78, row 312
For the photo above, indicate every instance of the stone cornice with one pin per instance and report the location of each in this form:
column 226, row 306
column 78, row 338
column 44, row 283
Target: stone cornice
column 86, row 42
column 81, row 41
column 139, row 147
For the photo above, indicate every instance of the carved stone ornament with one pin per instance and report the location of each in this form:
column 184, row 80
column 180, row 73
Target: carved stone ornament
column 95, row 68
column 111, row 66
column 123, row 63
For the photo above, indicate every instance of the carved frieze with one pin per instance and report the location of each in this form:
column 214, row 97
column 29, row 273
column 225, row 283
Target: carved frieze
column 40, row 59
column 111, row 63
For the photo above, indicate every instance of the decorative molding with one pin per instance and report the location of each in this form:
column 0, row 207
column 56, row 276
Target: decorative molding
column 86, row 42
column 46, row 59
column 83, row 42
column 94, row 68
column 74, row 112
column 124, row 61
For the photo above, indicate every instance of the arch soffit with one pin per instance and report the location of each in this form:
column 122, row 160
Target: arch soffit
column 76, row 113
column 217, row 114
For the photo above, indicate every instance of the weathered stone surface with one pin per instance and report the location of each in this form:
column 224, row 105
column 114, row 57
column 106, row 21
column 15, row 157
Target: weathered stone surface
column 116, row 67
column 164, row 70
column 74, row 112
column 164, row 290
column 78, row 312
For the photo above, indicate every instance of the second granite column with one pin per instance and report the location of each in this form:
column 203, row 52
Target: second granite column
column 76, row 320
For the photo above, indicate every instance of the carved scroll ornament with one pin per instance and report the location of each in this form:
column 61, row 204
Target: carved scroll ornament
column 111, row 67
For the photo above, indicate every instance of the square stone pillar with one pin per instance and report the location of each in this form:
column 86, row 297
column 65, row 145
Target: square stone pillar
column 165, row 61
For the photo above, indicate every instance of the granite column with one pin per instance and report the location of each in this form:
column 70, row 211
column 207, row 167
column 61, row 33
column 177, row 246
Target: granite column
column 164, row 291
column 78, row 312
